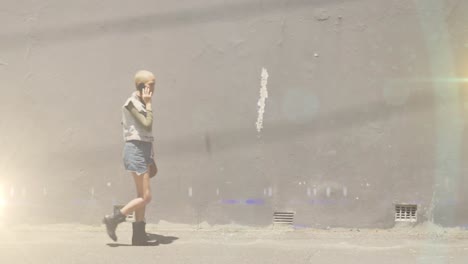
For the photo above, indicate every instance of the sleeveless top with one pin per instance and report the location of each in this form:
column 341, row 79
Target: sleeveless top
column 132, row 129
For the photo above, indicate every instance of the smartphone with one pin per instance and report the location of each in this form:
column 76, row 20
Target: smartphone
column 141, row 86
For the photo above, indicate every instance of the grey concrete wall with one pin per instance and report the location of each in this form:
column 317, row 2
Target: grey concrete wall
column 365, row 109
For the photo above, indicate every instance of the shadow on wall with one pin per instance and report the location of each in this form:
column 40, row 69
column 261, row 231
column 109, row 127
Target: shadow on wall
column 285, row 131
column 219, row 12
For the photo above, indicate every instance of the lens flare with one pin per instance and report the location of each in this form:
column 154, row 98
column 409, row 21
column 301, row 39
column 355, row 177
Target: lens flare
column 3, row 201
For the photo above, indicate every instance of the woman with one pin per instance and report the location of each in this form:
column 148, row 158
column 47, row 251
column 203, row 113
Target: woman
column 137, row 121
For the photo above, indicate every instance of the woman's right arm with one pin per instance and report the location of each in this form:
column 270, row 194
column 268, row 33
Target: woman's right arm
column 145, row 121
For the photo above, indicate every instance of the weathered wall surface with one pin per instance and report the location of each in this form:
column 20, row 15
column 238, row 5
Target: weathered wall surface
column 365, row 109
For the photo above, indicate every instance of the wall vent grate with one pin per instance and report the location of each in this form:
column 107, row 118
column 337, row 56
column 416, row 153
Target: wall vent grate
column 283, row 218
column 406, row 213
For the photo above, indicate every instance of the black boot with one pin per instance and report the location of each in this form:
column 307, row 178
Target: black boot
column 148, row 239
column 144, row 231
column 112, row 221
column 139, row 237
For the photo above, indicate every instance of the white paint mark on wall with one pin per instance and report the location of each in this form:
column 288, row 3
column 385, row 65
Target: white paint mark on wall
column 270, row 191
column 309, row 193
column 109, row 184
column 92, row 191
column 263, row 96
column 315, row 192
column 328, row 191
column 190, row 192
column 345, row 191
column 217, row 191
column 264, row 191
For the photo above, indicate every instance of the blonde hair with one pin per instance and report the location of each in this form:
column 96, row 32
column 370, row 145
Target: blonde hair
column 142, row 77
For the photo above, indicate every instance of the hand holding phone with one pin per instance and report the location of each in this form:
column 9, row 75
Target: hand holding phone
column 146, row 94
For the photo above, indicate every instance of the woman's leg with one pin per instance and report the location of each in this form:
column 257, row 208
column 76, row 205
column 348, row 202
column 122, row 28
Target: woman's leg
column 140, row 212
column 112, row 221
column 142, row 183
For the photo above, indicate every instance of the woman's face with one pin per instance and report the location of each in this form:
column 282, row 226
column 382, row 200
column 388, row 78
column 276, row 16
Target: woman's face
column 150, row 84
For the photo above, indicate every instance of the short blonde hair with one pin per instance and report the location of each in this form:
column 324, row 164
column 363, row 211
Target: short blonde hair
column 142, row 77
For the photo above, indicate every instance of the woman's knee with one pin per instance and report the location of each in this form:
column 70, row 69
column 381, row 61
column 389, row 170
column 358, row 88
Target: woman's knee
column 147, row 198
column 140, row 194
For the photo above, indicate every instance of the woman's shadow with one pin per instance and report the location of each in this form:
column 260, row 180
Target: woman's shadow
column 158, row 240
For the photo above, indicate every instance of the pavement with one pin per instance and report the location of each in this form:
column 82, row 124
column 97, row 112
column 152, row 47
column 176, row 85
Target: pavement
column 74, row 243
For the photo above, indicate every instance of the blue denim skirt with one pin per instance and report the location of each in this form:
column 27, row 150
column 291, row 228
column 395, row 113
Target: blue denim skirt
column 137, row 155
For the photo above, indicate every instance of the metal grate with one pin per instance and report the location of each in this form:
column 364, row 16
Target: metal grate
column 406, row 213
column 285, row 218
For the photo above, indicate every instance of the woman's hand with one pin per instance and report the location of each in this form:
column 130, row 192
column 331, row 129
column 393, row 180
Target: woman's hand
column 146, row 96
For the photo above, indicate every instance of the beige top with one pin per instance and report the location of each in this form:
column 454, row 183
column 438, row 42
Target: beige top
column 136, row 120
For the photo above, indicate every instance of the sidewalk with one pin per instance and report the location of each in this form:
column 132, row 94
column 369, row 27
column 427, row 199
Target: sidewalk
column 89, row 244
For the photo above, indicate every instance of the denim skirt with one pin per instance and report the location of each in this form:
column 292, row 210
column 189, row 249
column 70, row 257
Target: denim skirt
column 137, row 155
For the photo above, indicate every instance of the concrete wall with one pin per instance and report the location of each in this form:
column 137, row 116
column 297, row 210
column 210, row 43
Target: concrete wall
column 365, row 109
